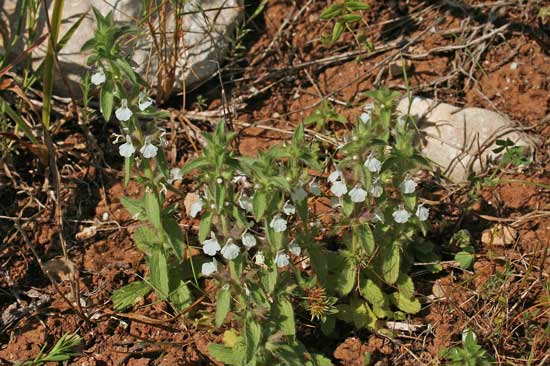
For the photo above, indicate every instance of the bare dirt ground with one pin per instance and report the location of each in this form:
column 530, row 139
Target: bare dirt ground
column 490, row 54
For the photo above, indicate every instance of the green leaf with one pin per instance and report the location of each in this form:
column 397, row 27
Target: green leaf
column 356, row 5
column 405, row 285
column 285, row 314
column 409, row 200
column 158, row 273
column 223, row 305
column 106, row 100
column 259, row 204
column 252, row 336
column 229, row 356
column 128, row 162
column 350, row 18
column 337, row 31
column 319, row 360
column 126, row 69
column 332, row 11
column 18, row 121
column 292, row 354
column 328, row 325
column 372, row 292
column 146, row 239
column 465, row 258
column 358, row 313
column 174, row 237
column 124, row 297
column 376, row 297
column 162, row 163
column 346, row 278
column 152, row 209
column 318, row 261
column 204, row 228
column 362, row 236
column 406, row 304
column 134, row 207
column 219, row 196
column 391, row 263
column 194, row 164
column 299, row 135
column 181, row 297
column 268, row 277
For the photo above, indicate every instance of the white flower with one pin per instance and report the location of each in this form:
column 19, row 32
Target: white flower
column 376, row 190
column 407, row 186
column 245, row 203
column 123, row 113
column 401, row 216
column 294, row 248
column 334, row 176
column 144, row 101
column 422, row 213
column 259, row 258
column 230, row 250
column 281, row 260
column 248, row 240
column 365, row 117
column 98, row 77
column 298, row 194
column 314, row 189
column 148, row 150
column 211, row 246
column 373, row 165
column 377, row 215
column 278, row 224
column 127, row 149
column 358, row 194
column 196, row 207
column 289, row 209
column 209, row 267
column 339, row 188
column 175, row 174
column 368, row 107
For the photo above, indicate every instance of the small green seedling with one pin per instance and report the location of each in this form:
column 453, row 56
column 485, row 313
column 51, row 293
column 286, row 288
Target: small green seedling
column 345, row 14
column 323, row 115
column 63, row 350
column 470, row 354
column 513, row 154
column 463, row 240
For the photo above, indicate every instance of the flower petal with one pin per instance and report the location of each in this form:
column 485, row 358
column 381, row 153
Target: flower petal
column 230, row 250
column 209, row 267
column 281, row 260
column 401, row 216
column 249, row 241
column 339, row 188
column 358, row 194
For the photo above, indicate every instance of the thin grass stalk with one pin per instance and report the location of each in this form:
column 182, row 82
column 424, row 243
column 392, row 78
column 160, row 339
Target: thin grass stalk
column 49, row 63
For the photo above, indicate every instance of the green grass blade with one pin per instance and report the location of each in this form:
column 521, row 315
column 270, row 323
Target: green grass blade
column 18, row 120
column 49, row 63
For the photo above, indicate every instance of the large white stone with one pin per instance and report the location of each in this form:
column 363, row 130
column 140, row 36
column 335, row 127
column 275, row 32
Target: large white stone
column 460, row 140
column 208, row 25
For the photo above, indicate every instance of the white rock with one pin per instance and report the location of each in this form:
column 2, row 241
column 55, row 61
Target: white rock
column 452, row 136
column 208, row 24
